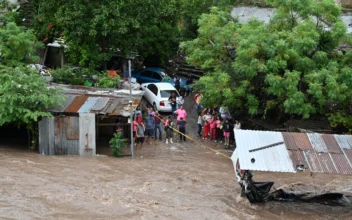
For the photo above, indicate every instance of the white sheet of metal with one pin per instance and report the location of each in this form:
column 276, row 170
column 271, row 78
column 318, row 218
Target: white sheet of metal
column 87, row 142
column 274, row 159
column 317, row 142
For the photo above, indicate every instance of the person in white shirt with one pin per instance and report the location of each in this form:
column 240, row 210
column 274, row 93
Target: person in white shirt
column 237, row 125
column 180, row 100
column 224, row 112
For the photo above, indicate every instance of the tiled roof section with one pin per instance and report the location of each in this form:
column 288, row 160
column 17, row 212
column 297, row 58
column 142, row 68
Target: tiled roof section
column 322, row 153
column 331, row 143
column 302, row 141
column 317, row 142
column 81, row 99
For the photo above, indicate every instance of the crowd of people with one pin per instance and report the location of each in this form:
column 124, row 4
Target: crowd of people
column 214, row 124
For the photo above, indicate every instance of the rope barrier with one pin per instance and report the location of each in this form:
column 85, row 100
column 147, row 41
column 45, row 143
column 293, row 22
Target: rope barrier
column 190, row 138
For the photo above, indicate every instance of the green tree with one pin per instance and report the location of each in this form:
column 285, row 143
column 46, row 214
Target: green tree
column 288, row 66
column 24, row 95
column 94, row 30
column 18, row 45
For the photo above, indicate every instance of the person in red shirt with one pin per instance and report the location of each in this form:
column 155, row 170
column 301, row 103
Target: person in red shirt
column 212, row 126
column 139, row 118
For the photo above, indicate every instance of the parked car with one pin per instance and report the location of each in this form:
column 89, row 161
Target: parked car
column 158, row 95
column 153, row 75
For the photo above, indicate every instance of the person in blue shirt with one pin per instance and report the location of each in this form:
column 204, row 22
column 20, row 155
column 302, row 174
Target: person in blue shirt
column 149, row 128
column 182, row 129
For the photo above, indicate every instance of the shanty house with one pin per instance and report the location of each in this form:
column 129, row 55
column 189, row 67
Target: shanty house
column 87, row 114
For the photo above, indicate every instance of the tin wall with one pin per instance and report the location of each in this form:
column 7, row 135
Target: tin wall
column 59, row 136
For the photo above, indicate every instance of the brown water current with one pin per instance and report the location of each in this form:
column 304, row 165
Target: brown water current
column 174, row 181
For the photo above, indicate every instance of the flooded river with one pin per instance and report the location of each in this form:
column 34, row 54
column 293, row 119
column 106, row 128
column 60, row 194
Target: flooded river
column 174, row 181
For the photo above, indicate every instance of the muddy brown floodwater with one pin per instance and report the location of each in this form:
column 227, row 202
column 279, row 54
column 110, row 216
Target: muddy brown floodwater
column 174, row 181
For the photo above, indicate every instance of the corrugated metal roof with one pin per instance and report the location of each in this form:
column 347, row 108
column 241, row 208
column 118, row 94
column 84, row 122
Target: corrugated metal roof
column 274, row 158
column 297, row 158
column 81, row 99
column 325, row 156
column 76, row 103
column 331, row 143
column 317, row 142
column 344, row 141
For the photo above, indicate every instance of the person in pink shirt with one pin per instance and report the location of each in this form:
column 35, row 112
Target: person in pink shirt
column 212, row 123
column 218, row 129
column 181, row 113
column 135, row 125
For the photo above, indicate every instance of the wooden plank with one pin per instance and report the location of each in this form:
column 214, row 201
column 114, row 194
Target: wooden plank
column 87, row 144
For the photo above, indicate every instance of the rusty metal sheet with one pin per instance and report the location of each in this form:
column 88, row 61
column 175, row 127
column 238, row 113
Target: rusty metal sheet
column 88, row 105
column 302, row 141
column 100, row 104
column 331, row 143
column 112, row 106
column 72, row 128
column 289, row 141
column 317, row 142
column 76, row 103
column 298, row 159
column 342, row 165
column 313, row 161
column 344, row 141
column 326, row 163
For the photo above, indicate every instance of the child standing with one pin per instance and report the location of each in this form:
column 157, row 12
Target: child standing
column 206, row 130
column 218, row 129
column 227, row 129
column 200, row 124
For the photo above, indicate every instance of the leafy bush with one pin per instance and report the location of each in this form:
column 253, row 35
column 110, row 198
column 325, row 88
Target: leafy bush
column 108, row 82
column 62, row 75
column 117, row 144
column 70, row 75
